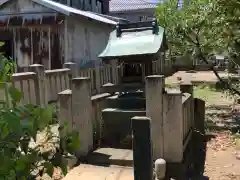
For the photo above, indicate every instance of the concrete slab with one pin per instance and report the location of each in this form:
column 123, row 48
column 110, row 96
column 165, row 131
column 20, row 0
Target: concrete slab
column 111, row 156
column 84, row 172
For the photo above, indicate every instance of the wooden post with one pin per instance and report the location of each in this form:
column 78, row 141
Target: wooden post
column 65, row 102
column 154, row 110
column 41, row 88
column 82, row 113
column 142, row 149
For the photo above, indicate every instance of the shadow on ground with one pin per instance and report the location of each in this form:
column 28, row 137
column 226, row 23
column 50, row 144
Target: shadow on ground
column 222, row 118
column 217, row 119
column 199, row 147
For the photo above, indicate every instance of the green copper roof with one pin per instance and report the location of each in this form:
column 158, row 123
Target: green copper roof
column 134, row 43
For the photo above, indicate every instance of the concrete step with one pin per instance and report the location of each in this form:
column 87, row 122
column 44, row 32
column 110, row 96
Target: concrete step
column 92, row 172
column 126, row 94
column 126, row 102
column 111, row 156
column 117, row 124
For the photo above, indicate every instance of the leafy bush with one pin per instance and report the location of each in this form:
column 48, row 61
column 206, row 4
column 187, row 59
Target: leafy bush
column 23, row 156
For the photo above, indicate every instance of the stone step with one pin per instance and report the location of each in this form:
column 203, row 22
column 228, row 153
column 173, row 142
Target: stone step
column 111, row 156
column 131, row 87
column 126, row 94
column 117, row 123
column 92, row 172
column 126, row 102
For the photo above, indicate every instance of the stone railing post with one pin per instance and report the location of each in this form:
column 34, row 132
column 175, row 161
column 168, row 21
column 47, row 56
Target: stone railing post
column 65, row 113
column 98, row 79
column 173, row 127
column 154, row 110
column 114, row 72
column 187, row 87
column 41, row 90
column 142, row 149
column 73, row 70
column 82, row 113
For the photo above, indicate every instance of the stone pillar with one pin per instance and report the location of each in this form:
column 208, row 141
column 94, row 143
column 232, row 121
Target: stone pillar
column 40, row 85
column 98, row 79
column 187, row 87
column 65, row 113
column 154, row 110
column 82, row 113
column 142, row 149
column 73, row 69
column 173, row 127
column 114, row 78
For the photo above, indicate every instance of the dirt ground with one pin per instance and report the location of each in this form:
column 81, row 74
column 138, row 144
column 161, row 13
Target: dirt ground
column 221, row 159
column 223, row 150
column 200, row 76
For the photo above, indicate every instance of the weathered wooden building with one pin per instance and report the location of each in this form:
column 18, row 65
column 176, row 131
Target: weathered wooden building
column 50, row 33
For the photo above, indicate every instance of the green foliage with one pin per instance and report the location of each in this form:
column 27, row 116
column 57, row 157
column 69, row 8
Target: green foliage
column 211, row 23
column 22, row 156
column 202, row 25
column 203, row 28
column 7, row 67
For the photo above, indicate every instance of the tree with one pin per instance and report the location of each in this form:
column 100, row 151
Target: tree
column 201, row 28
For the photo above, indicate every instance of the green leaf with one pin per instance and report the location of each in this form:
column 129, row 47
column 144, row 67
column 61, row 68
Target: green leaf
column 15, row 94
column 45, row 117
column 2, row 44
column 20, row 165
column 73, row 141
column 4, row 131
column 49, row 168
column 64, row 169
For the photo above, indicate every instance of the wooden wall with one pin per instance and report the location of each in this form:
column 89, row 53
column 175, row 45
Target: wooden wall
column 85, row 40
column 76, row 39
column 22, row 6
column 31, row 45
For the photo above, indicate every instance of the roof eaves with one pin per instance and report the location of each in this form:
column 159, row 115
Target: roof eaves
column 3, row 2
column 50, row 6
column 116, row 19
column 64, row 9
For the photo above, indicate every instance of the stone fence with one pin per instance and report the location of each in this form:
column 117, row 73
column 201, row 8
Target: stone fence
column 40, row 86
column 171, row 113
